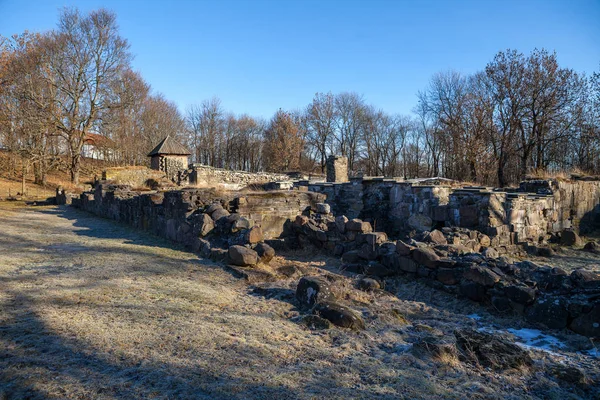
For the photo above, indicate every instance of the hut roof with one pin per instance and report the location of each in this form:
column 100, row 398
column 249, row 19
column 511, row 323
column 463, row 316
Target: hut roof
column 169, row 146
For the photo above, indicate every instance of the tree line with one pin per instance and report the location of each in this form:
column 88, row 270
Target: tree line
column 520, row 113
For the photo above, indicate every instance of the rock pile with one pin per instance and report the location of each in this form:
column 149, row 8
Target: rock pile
column 462, row 262
column 219, row 231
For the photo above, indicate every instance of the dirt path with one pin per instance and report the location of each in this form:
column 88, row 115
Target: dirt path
column 91, row 309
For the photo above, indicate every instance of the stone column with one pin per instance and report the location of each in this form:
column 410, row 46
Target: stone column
column 337, row 169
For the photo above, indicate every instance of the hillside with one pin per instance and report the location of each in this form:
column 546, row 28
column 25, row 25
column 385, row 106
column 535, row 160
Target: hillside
column 11, row 184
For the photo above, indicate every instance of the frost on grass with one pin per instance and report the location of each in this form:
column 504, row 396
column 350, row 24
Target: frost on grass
column 90, row 309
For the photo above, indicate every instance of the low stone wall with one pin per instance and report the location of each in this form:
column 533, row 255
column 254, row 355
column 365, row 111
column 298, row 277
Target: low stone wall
column 462, row 262
column 135, row 177
column 170, row 214
column 205, row 175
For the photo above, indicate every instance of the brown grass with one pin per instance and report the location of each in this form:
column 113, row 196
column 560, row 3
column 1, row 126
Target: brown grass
column 562, row 175
column 90, row 309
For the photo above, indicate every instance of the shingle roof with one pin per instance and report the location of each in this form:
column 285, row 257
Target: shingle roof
column 169, row 146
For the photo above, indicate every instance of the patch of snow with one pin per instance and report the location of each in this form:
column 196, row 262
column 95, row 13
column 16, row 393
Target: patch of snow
column 536, row 339
column 476, row 317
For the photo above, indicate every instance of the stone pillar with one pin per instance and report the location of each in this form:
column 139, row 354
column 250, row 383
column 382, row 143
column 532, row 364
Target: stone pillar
column 337, row 169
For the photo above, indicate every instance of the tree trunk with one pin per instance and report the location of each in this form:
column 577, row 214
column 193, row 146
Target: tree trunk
column 75, row 165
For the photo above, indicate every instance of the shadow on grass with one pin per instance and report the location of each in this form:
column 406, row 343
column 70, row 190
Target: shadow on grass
column 37, row 362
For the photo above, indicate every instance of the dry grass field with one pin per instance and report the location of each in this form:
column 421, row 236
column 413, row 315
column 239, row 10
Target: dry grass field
column 93, row 310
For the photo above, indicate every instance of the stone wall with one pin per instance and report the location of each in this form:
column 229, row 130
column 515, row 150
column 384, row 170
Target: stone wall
column 170, row 214
column 537, row 211
column 132, row 176
column 205, row 175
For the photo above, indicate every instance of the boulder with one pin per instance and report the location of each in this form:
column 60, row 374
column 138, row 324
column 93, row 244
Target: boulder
column 312, row 290
column 485, row 240
column 219, row 213
column 339, row 315
column 490, row 351
column 239, row 224
column 242, row 256
column 205, row 224
column 586, row 279
column 436, row 237
column 473, row 291
column 570, row 238
column 357, row 225
column 520, row 294
column 425, row 256
column 592, row 247
column 368, row 284
column 420, row 222
column 213, row 207
column 549, row 311
column 404, row 249
column 481, row 275
column 254, row 234
column 265, row 252
column 588, row 324
column 323, row 208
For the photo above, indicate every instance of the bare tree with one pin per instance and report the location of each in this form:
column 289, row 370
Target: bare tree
column 85, row 55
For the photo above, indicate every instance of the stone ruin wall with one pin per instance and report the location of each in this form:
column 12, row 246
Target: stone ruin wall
column 539, row 208
column 206, row 175
column 167, row 214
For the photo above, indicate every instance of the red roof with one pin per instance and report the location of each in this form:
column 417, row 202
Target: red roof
column 98, row 140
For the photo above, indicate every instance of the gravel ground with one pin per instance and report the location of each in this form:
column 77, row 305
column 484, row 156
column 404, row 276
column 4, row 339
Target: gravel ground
column 93, row 310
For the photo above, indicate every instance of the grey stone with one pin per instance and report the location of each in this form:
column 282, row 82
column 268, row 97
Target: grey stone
column 436, row 237
column 323, row 208
column 265, row 252
column 570, row 238
column 425, row 256
column 205, row 224
column 339, row 315
column 473, row 291
column 368, row 284
column 482, row 275
column 240, row 224
column 404, row 249
column 242, row 256
column 549, row 311
column 588, row 324
column 357, row 225
column 312, row 290
column 520, row 294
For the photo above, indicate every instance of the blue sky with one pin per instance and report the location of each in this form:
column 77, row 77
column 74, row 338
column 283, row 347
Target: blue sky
column 258, row 56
